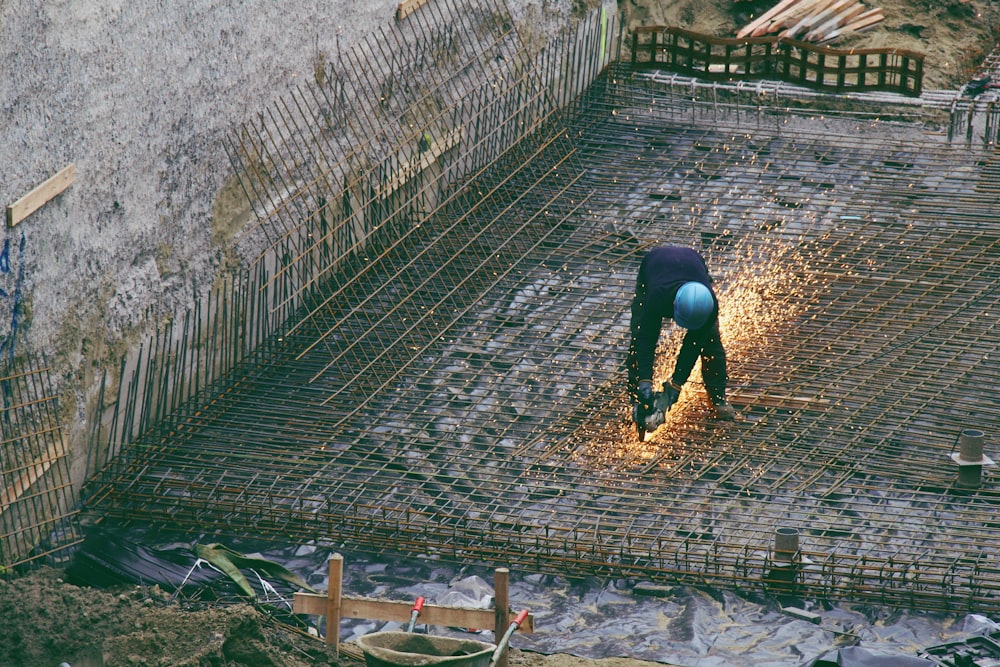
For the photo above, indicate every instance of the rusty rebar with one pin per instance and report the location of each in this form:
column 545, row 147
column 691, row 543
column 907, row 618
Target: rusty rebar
column 450, row 380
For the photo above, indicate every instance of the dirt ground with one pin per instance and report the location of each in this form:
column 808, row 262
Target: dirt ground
column 46, row 621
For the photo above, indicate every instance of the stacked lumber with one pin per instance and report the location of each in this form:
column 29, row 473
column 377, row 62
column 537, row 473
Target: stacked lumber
column 818, row 21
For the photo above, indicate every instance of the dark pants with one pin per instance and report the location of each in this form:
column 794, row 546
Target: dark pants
column 706, row 344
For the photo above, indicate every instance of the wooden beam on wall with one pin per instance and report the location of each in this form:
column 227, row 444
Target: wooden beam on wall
column 419, row 162
column 407, row 7
column 30, row 474
column 41, row 194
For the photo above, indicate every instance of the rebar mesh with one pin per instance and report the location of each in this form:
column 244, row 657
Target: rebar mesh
column 37, row 516
column 458, row 390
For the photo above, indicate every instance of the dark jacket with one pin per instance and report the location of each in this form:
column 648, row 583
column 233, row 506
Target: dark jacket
column 661, row 274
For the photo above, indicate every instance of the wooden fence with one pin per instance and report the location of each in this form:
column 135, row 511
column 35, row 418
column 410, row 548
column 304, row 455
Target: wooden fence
column 334, row 605
column 802, row 63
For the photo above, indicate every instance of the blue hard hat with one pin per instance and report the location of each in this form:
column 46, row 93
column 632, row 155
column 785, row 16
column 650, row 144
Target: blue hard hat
column 693, row 305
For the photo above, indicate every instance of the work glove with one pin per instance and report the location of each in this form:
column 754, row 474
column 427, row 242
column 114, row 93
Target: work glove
column 645, row 395
column 670, row 394
column 662, row 403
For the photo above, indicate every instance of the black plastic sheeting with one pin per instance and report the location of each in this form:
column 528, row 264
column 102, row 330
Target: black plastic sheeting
column 589, row 618
column 111, row 558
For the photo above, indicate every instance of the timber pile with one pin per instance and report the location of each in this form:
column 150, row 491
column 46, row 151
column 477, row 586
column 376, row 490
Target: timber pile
column 818, row 21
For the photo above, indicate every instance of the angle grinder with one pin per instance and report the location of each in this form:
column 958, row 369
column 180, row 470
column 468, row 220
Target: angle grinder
column 649, row 419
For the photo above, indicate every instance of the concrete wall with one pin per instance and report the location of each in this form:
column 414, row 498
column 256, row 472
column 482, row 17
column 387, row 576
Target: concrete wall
column 139, row 96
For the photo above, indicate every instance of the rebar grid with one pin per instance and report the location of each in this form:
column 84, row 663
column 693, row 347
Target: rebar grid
column 462, row 395
column 37, row 516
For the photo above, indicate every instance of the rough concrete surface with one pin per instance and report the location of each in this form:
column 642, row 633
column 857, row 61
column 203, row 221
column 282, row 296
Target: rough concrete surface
column 139, row 96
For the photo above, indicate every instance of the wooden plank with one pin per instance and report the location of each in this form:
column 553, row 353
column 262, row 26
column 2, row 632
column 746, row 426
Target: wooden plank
column 419, row 162
column 41, row 194
column 805, row 9
column 335, row 606
column 407, row 7
column 777, row 400
column 32, row 473
column 863, row 22
column 787, row 18
column 819, row 32
column 394, row 610
column 764, row 18
column 824, row 15
column 807, row 21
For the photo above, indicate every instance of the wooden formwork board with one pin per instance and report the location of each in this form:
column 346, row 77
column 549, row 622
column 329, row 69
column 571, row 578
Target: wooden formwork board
column 334, row 605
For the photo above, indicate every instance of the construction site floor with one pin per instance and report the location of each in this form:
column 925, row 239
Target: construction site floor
column 464, row 397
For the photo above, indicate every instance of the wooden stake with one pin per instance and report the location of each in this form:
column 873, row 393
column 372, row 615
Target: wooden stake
column 867, row 20
column 765, row 17
column 41, row 194
column 501, row 599
column 824, row 16
column 819, row 33
column 863, row 22
column 333, row 601
column 807, row 21
column 791, row 17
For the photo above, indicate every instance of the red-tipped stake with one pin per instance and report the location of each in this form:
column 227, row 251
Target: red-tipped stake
column 417, row 606
column 514, row 625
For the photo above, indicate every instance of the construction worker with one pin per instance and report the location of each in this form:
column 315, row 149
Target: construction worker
column 673, row 282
